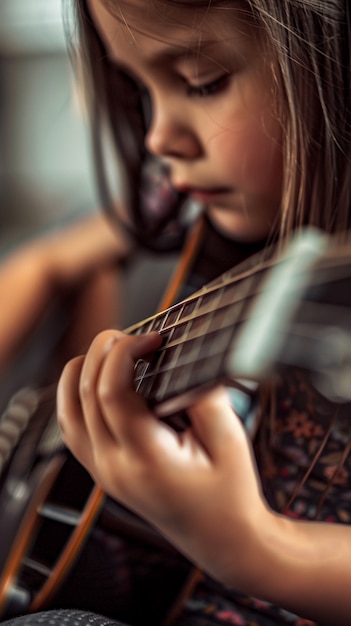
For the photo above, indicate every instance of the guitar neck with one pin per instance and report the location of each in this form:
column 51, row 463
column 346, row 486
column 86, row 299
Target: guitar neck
column 273, row 309
column 198, row 333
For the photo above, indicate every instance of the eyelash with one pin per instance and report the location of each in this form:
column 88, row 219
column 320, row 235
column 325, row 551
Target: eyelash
column 208, row 89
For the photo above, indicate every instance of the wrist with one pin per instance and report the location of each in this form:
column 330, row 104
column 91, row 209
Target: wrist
column 245, row 566
column 267, row 548
column 286, row 566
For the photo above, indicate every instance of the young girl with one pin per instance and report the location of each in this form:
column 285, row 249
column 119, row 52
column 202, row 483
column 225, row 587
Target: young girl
column 243, row 106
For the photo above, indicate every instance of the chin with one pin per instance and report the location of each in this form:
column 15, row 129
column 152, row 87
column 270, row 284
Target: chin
column 234, row 222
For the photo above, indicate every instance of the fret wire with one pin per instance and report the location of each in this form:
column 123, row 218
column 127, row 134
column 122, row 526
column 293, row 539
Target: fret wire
column 139, row 377
column 223, row 288
column 173, row 316
column 196, row 312
column 234, row 308
column 335, row 258
column 225, row 280
column 167, row 374
column 216, row 347
column 202, row 315
column 184, row 379
column 143, row 384
column 198, row 340
column 152, row 368
column 213, row 347
column 140, row 381
column 311, row 312
column 158, row 323
column 202, row 374
column 217, row 321
column 195, row 341
column 308, row 311
column 180, row 343
column 143, row 381
column 250, row 295
column 197, row 365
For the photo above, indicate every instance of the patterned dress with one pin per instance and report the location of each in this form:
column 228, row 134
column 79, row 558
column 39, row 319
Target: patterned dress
column 303, row 453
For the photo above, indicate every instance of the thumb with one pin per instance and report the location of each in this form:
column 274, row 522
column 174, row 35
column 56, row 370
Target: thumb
column 215, row 423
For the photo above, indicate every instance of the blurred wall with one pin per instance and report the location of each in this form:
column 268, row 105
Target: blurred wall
column 45, row 173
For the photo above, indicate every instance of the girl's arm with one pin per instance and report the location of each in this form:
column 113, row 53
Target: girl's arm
column 200, row 488
column 82, row 257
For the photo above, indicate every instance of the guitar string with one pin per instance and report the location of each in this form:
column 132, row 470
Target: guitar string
column 230, row 278
column 304, row 331
column 202, row 312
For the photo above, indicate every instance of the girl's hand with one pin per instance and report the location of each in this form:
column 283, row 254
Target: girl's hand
column 199, row 488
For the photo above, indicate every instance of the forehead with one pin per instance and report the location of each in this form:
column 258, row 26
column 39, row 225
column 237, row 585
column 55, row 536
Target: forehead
column 137, row 8
column 178, row 23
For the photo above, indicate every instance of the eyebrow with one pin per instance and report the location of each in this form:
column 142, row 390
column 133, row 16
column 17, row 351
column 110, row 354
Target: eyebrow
column 175, row 52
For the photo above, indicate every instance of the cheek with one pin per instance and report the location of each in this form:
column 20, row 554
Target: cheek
column 251, row 154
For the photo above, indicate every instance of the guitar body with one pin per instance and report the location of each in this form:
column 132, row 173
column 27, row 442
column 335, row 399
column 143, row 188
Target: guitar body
column 48, row 501
column 40, row 513
column 50, row 507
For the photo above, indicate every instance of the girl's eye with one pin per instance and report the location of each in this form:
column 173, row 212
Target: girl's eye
column 209, row 89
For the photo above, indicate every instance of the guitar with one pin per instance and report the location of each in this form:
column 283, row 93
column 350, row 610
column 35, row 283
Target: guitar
column 278, row 309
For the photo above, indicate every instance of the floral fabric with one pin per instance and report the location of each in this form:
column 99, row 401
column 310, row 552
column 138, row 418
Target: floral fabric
column 309, row 429
column 304, row 457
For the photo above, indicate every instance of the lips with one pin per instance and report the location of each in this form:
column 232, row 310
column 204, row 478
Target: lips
column 202, row 193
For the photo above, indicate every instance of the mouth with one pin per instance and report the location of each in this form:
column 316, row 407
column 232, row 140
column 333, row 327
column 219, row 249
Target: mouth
column 203, row 194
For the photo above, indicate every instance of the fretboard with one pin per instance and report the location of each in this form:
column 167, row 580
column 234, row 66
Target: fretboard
column 289, row 302
column 197, row 336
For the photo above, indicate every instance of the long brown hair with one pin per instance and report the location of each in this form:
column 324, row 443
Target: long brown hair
column 310, row 41
column 117, row 115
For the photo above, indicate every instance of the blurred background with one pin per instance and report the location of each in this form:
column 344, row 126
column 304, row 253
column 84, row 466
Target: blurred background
column 46, row 176
column 45, row 173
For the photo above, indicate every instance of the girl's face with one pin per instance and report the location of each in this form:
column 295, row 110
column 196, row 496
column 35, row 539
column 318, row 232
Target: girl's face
column 213, row 103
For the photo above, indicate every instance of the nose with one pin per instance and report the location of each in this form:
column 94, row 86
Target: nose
column 171, row 133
